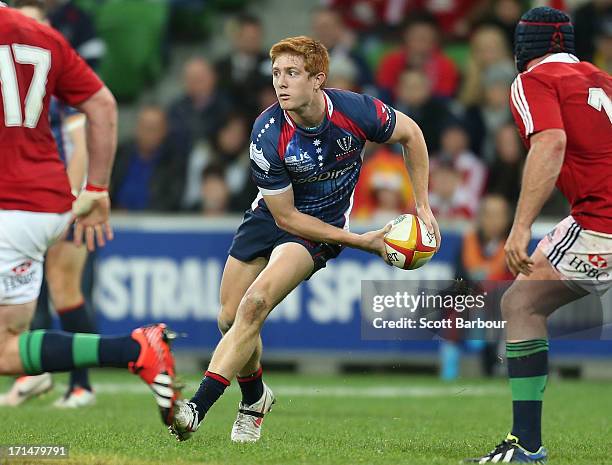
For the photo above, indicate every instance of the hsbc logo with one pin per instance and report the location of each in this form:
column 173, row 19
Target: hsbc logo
column 598, row 261
column 22, row 268
column 592, row 269
column 23, row 275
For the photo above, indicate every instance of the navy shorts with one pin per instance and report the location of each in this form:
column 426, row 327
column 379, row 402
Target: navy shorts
column 258, row 236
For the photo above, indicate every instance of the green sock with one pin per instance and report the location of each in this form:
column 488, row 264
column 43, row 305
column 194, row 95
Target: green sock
column 49, row 351
column 528, row 372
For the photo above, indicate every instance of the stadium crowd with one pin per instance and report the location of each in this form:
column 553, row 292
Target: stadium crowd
column 448, row 65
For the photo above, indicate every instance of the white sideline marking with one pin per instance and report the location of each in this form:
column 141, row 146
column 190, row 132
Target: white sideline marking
column 330, row 391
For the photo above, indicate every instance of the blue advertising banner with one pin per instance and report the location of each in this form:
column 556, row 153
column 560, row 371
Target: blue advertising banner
column 145, row 276
column 160, row 270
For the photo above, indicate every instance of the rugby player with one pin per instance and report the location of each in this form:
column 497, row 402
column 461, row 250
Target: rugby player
column 563, row 112
column 35, row 208
column 306, row 154
column 64, row 261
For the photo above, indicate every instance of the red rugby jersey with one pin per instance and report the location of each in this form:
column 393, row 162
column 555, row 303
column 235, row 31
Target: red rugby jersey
column 35, row 63
column 562, row 92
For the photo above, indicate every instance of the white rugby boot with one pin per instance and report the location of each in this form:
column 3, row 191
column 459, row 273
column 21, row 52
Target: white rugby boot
column 185, row 420
column 247, row 427
column 25, row 388
column 76, row 398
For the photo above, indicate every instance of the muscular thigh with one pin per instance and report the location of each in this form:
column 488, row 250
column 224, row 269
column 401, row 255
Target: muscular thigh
column 237, row 278
column 543, row 291
column 289, row 265
column 15, row 319
column 65, row 258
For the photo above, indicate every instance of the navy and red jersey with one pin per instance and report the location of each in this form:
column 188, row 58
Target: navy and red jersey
column 562, row 92
column 321, row 166
column 58, row 113
column 36, row 62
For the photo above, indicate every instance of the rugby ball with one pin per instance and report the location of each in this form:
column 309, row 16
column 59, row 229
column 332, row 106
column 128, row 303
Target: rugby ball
column 409, row 245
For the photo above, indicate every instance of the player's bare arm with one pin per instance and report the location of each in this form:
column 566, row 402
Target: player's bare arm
column 409, row 135
column 92, row 207
column 288, row 217
column 75, row 126
column 542, row 169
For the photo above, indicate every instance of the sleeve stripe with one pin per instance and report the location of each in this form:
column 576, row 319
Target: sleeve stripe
column 516, row 105
column 523, row 99
column 519, row 107
column 274, row 191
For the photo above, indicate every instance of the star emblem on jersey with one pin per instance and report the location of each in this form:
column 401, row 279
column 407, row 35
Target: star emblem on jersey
column 598, row 261
column 319, row 150
column 320, row 157
column 316, row 143
column 266, row 126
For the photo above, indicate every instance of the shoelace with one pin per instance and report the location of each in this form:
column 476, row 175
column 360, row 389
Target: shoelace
column 243, row 422
column 193, row 422
column 501, row 447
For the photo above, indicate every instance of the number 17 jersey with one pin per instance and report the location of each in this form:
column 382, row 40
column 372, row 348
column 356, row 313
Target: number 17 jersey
column 35, row 63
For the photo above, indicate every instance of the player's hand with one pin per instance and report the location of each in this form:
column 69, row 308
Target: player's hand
column 516, row 251
column 91, row 210
column 424, row 212
column 373, row 242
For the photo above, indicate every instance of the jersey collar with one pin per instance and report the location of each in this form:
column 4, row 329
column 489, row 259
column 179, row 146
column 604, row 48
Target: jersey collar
column 328, row 103
column 557, row 58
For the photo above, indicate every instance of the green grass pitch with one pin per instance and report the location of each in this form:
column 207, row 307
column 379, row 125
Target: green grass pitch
column 341, row 420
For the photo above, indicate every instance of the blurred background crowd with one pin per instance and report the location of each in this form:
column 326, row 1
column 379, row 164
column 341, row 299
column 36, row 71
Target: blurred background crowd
column 192, row 75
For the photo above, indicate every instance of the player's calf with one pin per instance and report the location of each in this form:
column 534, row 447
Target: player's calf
column 524, row 320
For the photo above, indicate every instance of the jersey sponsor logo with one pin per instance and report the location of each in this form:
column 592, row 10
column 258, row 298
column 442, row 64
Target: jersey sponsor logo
column 590, row 270
column 258, row 157
column 598, row 261
column 300, row 162
column 334, row 174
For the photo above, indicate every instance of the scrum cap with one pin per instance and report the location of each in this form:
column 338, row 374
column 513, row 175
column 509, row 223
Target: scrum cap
column 540, row 31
